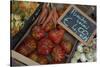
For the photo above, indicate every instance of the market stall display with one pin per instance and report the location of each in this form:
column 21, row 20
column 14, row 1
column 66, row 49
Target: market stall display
column 46, row 41
column 49, row 42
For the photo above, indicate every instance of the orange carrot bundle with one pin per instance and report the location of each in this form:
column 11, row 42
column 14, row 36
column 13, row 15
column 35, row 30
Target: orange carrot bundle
column 55, row 16
column 43, row 14
column 48, row 18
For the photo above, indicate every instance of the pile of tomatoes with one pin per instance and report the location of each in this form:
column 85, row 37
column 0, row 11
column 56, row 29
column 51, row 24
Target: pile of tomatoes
column 46, row 44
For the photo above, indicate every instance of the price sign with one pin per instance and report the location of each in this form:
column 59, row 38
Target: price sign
column 78, row 24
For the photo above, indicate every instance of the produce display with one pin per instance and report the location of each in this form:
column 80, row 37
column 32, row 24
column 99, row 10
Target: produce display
column 20, row 12
column 47, row 41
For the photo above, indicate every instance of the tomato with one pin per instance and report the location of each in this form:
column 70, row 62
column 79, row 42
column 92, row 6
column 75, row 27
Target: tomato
column 42, row 59
column 38, row 32
column 67, row 46
column 33, row 56
column 27, row 46
column 56, row 35
column 58, row 54
column 22, row 49
column 45, row 46
column 30, row 43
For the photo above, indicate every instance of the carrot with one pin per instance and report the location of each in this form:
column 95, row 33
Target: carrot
column 43, row 20
column 48, row 18
column 43, row 13
column 55, row 16
column 55, row 13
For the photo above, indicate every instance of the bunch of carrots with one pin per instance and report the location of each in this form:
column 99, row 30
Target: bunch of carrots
column 48, row 15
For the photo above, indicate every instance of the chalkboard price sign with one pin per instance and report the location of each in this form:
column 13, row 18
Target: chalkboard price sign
column 78, row 24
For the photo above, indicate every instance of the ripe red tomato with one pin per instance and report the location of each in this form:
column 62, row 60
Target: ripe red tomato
column 45, row 46
column 56, row 35
column 58, row 54
column 30, row 43
column 38, row 32
column 27, row 46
